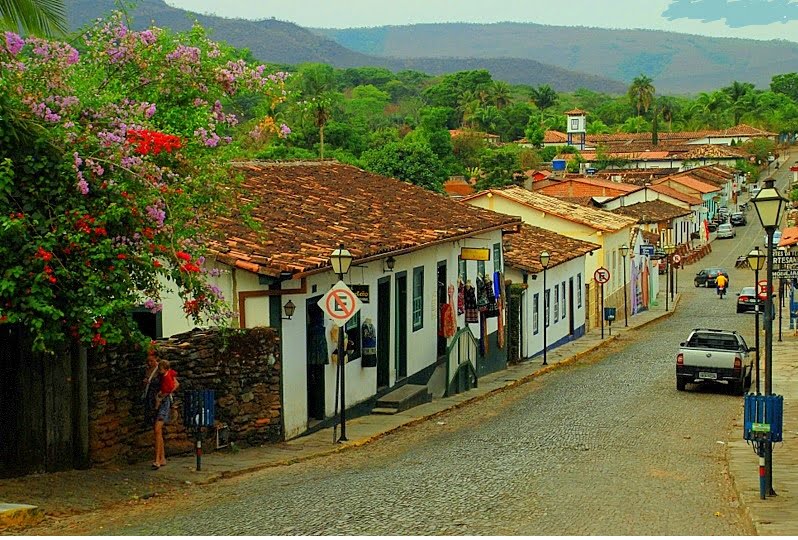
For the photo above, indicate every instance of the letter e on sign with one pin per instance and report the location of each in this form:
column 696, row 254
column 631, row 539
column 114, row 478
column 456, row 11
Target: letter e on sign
column 340, row 303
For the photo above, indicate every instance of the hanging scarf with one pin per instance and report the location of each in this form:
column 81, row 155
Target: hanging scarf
column 460, row 298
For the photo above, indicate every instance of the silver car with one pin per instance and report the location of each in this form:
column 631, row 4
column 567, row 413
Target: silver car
column 726, row 230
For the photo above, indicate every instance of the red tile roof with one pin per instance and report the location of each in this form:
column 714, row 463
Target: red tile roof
column 652, row 211
column 553, row 137
column 457, row 187
column 305, row 209
column 692, row 200
column 592, row 217
column 587, row 187
column 575, row 112
column 689, row 181
column 522, row 250
column 789, row 237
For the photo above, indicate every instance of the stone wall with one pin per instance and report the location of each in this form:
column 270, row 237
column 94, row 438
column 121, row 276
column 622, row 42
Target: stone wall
column 242, row 366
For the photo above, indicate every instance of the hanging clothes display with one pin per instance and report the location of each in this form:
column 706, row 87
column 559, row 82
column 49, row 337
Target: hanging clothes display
column 369, row 344
column 470, row 302
column 448, row 326
column 460, row 297
column 482, row 294
column 491, row 309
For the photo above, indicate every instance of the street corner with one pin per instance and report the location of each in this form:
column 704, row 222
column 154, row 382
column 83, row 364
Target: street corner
column 19, row 515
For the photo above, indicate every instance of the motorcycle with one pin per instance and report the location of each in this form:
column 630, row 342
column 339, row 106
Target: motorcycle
column 721, row 291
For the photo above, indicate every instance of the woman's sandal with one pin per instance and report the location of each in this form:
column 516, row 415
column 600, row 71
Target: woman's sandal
column 155, row 466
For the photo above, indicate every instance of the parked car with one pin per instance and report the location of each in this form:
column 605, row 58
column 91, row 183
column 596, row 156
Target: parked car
column 754, row 191
column 712, row 226
column 738, row 219
column 747, row 300
column 718, row 356
column 726, row 230
column 707, row 277
column 776, row 238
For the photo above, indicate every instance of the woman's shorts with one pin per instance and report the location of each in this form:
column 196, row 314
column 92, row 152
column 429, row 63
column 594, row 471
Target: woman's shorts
column 163, row 410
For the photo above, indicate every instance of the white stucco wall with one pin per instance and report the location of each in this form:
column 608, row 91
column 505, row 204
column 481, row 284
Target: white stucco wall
column 532, row 344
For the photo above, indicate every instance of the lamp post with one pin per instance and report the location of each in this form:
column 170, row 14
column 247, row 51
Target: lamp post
column 670, row 249
column 624, row 252
column 340, row 260
column 756, row 260
column 769, row 203
column 544, row 262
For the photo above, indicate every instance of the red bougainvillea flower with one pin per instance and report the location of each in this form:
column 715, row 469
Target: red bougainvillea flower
column 190, row 267
column 152, row 142
column 183, row 255
column 43, row 254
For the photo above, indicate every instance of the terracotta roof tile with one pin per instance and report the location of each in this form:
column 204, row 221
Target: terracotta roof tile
column 676, row 194
column 652, row 211
column 574, row 112
column 713, row 151
column 598, row 219
column 552, row 137
column 522, row 250
column 587, row 187
column 305, row 209
column 650, row 237
column 689, row 181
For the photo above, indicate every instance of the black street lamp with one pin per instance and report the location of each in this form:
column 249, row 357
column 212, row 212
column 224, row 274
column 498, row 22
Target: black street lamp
column 544, row 262
column 624, row 252
column 756, row 260
column 769, row 203
column 669, row 249
column 340, row 260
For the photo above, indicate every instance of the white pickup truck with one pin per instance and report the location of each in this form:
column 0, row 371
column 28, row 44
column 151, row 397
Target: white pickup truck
column 719, row 356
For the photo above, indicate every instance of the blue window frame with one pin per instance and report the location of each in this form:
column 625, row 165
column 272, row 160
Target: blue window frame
column 556, row 303
column 535, row 313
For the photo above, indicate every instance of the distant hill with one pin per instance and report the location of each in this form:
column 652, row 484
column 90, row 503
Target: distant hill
column 678, row 63
column 280, row 42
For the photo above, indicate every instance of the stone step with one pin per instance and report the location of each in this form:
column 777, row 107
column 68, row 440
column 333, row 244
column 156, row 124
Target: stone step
column 384, row 410
column 404, row 397
column 19, row 515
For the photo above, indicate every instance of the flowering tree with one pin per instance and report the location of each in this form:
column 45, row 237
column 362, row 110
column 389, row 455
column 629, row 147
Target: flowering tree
column 112, row 168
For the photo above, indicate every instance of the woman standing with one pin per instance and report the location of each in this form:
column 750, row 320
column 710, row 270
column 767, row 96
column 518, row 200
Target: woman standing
column 152, row 384
column 163, row 405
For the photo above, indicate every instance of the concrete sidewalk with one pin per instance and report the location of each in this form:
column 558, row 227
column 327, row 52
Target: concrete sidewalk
column 775, row 515
column 75, row 492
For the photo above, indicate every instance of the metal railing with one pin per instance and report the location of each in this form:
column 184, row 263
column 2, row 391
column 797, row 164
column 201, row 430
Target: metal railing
column 461, row 362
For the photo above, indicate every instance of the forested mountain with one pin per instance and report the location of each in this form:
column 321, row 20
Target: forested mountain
column 281, row 42
column 678, row 63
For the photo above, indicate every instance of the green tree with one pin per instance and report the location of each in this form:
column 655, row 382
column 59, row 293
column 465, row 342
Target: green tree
column 367, row 105
column 500, row 94
column 641, row 93
column 709, row 108
column 787, row 84
column 668, row 108
column 737, row 93
column 635, row 124
column 415, row 163
column 316, row 90
column 500, row 167
column 39, row 17
column 544, row 97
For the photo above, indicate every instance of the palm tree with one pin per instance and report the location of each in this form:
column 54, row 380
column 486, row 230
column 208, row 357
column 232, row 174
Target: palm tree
column 641, row 93
column 41, row 17
column 467, row 105
column 500, row 94
column 316, row 86
column 544, row 97
column 710, row 106
column 668, row 107
column 737, row 93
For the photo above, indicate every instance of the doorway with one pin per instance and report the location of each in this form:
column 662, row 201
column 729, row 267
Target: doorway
column 401, row 325
column 316, row 358
column 383, row 332
column 441, row 288
column 571, row 306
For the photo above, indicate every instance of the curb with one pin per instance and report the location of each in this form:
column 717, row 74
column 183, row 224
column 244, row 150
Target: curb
column 19, row 515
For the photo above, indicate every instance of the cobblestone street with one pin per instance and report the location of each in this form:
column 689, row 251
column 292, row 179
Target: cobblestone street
column 605, row 446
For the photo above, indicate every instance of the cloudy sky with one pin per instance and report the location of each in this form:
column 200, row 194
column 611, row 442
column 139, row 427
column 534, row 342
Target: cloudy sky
column 755, row 19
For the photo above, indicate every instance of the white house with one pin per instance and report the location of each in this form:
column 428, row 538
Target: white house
column 560, row 306
column 407, row 244
column 606, row 229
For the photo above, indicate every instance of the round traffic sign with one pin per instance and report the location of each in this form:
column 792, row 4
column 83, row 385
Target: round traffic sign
column 677, row 258
column 601, row 275
column 340, row 303
column 762, row 289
